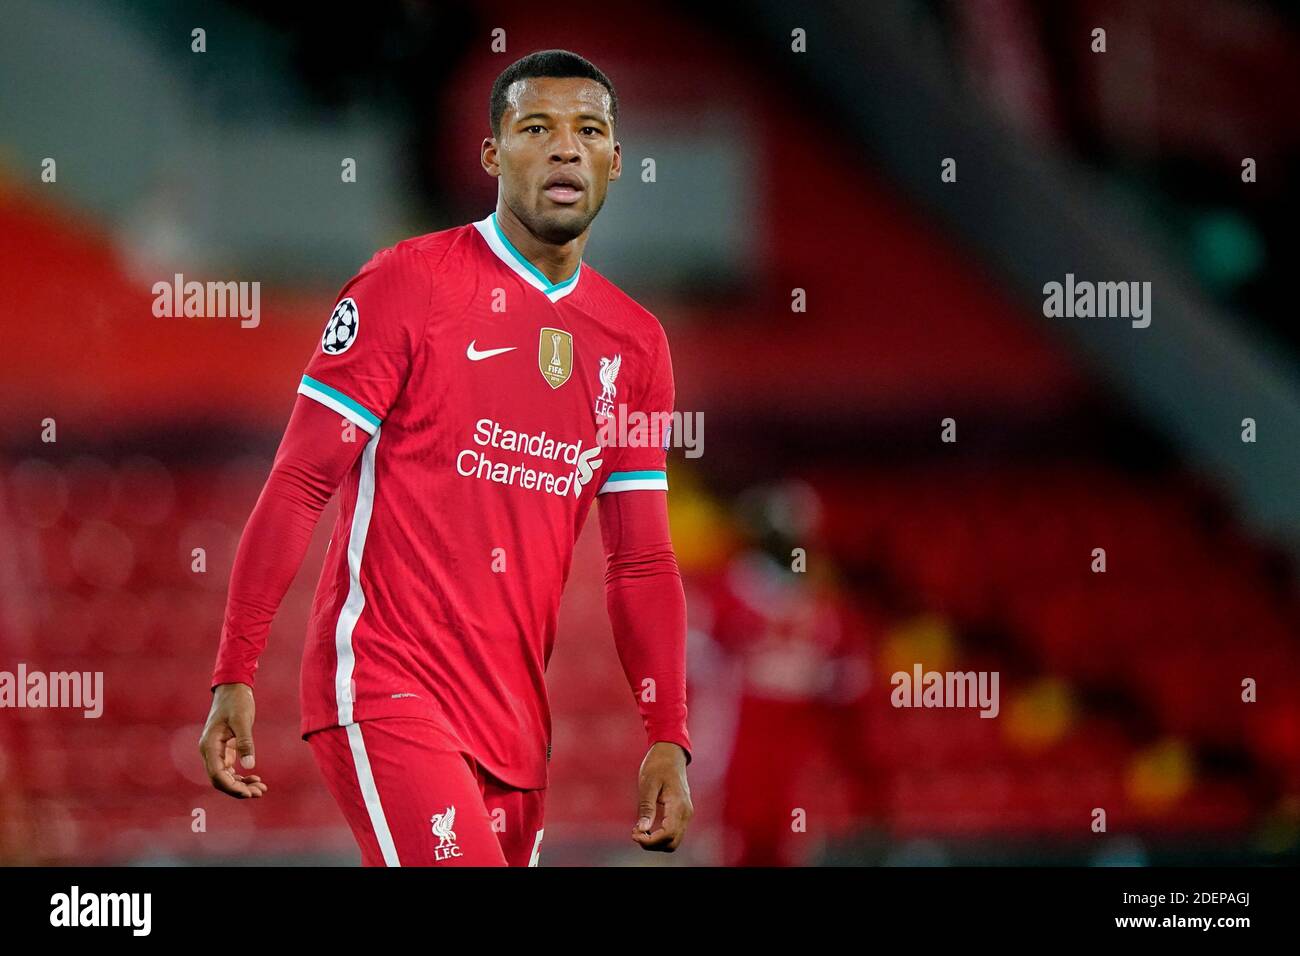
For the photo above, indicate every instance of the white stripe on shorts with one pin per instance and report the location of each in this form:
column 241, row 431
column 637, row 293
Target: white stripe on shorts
column 371, row 794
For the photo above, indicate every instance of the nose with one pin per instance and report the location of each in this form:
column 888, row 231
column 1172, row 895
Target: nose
column 564, row 146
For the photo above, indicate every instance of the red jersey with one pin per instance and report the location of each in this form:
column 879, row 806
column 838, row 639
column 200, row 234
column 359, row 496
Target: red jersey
column 478, row 388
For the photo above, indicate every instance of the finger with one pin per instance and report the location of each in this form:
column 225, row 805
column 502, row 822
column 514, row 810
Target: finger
column 212, row 747
column 254, row 785
column 670, row 829
column 647, row 802
column 252, row 782
column 227, row 783
column 674, row 814
column 660, row 840
column 241, row 722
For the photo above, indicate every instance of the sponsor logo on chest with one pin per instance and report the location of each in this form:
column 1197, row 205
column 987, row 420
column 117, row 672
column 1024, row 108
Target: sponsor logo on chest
column 555, row 362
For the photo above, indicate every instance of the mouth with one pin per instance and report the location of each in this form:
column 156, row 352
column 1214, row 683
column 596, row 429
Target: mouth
column 563, row 188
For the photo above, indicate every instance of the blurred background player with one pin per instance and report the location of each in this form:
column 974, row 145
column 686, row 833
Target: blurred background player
column 802, row 657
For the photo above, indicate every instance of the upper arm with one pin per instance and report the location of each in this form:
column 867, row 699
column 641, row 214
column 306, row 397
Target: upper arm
column 361, row 363
column 640, row 464
column 634, row 527
column 316, row 451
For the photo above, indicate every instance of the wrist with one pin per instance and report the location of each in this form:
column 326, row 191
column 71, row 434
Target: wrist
column 231, row 686
column 671, row 747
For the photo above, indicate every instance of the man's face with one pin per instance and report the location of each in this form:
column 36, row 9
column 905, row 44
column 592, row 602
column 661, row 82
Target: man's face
column 555, row 154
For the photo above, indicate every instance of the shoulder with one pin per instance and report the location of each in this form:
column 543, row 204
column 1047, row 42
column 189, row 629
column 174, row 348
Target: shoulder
column 409, row 271
column 422, row 255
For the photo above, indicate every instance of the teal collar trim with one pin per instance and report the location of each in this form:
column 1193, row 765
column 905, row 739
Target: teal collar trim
column 504, row 250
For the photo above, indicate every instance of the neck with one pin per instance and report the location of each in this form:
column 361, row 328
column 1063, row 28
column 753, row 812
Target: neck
column 556, row 262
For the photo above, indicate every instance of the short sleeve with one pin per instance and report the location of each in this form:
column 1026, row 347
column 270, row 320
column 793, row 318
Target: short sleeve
column 361, row 363
column 640, row 461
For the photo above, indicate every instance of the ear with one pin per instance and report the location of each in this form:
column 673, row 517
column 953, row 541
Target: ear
column 488, row 157
column 616, row 167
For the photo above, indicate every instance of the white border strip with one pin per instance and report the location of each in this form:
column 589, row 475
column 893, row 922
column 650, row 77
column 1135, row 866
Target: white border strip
column 634, row 484
column 329, row 401
column 366, row 778
column 356, row 600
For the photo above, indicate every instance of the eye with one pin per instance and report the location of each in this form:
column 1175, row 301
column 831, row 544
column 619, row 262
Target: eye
column 591, row 129
column 529, row 129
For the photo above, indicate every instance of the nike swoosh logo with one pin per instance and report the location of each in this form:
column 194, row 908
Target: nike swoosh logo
column 474, row 355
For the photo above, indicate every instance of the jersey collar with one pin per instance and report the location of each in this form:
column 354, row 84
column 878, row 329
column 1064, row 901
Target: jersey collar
column 514, row 259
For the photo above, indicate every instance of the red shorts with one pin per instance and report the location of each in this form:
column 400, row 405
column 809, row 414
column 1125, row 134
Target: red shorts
column 413, row 798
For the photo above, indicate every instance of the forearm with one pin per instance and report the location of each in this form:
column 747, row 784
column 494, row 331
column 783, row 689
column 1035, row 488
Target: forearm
column 648, row 615
column 647, row 611
column 308, row 466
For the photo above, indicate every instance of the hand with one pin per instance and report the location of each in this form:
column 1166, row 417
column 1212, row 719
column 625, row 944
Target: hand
column 665, row 799
column 229, row 732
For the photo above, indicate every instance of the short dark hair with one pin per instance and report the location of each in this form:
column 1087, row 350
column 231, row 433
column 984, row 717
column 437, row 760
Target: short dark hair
column 560, row 64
